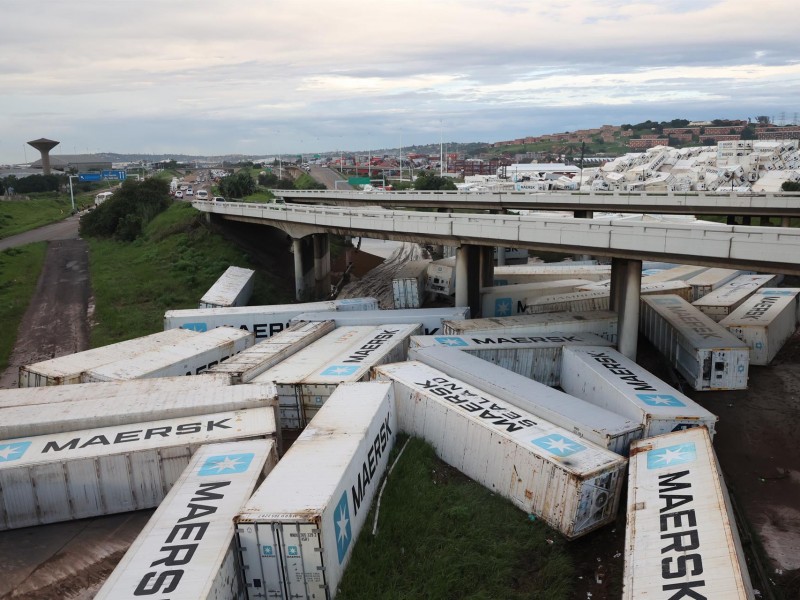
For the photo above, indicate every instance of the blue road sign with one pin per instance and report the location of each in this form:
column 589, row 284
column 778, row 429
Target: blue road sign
column 113, row 174
column 89, row 177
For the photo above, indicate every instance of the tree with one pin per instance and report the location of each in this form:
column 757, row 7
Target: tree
column 427, row 180
column 125, row 215
column 238, row 185
column 791, row 186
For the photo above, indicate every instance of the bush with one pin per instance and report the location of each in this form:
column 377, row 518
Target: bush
column 128, row 211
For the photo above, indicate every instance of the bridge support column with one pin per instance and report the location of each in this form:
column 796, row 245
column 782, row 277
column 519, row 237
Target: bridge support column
column 501, row 256
column 299, row 280
column 462, row 291
column 322, row 265
column 486, row 262
column 626, row 290
column 583, row 214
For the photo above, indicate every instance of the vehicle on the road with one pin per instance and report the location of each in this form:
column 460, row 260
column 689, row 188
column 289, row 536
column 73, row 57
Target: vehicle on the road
column 218, row 199
column 202, row 195
column 179, row 194
column 184, row 187
column 189, row 193
column 102, row 197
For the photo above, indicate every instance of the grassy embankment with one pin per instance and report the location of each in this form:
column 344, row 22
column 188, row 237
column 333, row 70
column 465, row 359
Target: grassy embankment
column 18, row 216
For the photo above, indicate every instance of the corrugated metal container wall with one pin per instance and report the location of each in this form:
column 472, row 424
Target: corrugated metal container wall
column 572, row 302
column 707, row 355
column 408, row 284
column 727, row 298
column 68, row 369
column 430, row 318
column 534, row 357
column 601, row 322
column 709, row 280
column 262, row 321
column 508, row 275
column 612, row 381
column 298, row 529
column 764, row 322
column 681, row 540
column 189, row 357
column 87, row 473
column 30, row 420
column 598, row 425
column 233, row 288
column 679, row 288
column 212, row 489
column 542, row 469
column 249, row 363
column 507, row 300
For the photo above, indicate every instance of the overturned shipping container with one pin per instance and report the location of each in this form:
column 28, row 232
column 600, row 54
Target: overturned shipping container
column 600, row 322
column 233, row 288
column 508, row 300
column 408, row 284
column 430, row 318
column 728, row 297
column 532, row 273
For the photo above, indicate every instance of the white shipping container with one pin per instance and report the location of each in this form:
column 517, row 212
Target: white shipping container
column 574, row 486
column 612, row 381
column 92, row 472
column 262, row 321
column 507, row 300
column 677, row 287
column 307, row 379
column 408, row 284
column 728, row 297
column 431, row 319
column 68, row 369
column 536, row 357
column 441, row 276
column 598, row 298
column 253, row 361
column 233, row 288
column 764, row 322
column 511, row 274
column 297, row 531
column 601, row 322
column 681, row 540
column 707, row 355
column 710, row 279
column 188, row 357
column 195, row 522
column 31, row 420
column 598, row 425
column 679, row 273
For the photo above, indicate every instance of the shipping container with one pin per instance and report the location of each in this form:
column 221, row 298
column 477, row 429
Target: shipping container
column 509, row 275
column 188, row 357
column 598, row 298
column 608, row 379
column 297, row 532
column 706, row 354
column 68, row 369
column 408, row 284
column 253, row 361
column 764, row 322
column 306, row 380
column 199, row 508
column 601, row 322
column 536, row 357
column 679, row 273
column 430, row 318
column 728, row 297
column 514, row 255
column 441, row 276
column 681, row 540
column 710, row 279
column 112, row 410
column 598, row 425
column 677, row 287
column 507, row 300
column 233, row 288
column 262, row 321
column 92, row 472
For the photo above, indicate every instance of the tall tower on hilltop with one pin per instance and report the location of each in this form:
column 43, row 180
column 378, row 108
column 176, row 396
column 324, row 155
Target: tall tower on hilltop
column 44, row 146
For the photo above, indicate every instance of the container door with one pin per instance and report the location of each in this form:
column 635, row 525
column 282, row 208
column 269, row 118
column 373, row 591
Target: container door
column 597, row 503
column 301, row 560
column 259, row 553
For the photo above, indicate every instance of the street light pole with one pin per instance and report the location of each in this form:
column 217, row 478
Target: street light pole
column 71, row 195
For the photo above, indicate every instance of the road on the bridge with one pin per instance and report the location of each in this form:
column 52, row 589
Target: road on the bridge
column 328, row 177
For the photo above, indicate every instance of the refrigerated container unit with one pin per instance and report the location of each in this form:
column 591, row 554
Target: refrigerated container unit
column 187, row 546
column 679, row 273
column 125, row 408
column 600, row 322
column 297, row 532
column 93, row 472
column 598, row 298
column 188, row 357
column 573, row 486
column 262, row 321
column 408, row 284
column 536, row 357
column 706, row 354
column 253, row 361
column 727, row 298
column 441, row 276
column 610, row 380
column 67, row 369
column 508, row 300
column 709, row 280
column 430, row 318
column 512, row 274
column 306, row 380
column 764, row 322
column 233, row 288
column 677, row 287
column 681, row 538
column 513, row 255
column 593, row 423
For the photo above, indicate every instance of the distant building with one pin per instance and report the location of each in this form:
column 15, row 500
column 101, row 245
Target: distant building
column 644, row 143
column 82, row 163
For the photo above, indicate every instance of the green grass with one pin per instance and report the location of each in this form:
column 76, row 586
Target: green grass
column 170, row 267
column 17, row 216
column 262, row 196
column 19, row 272
column 441, row 535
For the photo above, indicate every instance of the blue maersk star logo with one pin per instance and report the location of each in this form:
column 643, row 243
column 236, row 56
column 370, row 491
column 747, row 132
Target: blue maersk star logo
column 226, row 464
column 660, row 400
column 502, row 307
column 671, row 455
column 340, row 370
column 558, row 445
column 195, row 326
column 341, row 523
column 13, row 451
column 450, row 341
column 292, row 551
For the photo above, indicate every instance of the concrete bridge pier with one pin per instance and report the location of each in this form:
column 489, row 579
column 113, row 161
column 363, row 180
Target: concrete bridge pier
column 299, row 280
column 501, row 256
column 486, row 267
column 322, row 265
column 468, row 276
column 626, row 283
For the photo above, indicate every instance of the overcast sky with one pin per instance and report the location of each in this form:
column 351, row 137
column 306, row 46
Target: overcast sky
column 262, row 77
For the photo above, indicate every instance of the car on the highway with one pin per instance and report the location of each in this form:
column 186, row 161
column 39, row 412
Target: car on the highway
column 201, row 195
column 179, row 194
column 189, row 192
column 218, row 199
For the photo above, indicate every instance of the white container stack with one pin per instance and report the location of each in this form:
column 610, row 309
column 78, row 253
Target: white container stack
column 408, row 284
column 297, row 531
column 572, row 485
column 233, row 288
column 430, row 318
column 187, row 546
column 601, row 322
column 681, row 540
column 728, row 297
